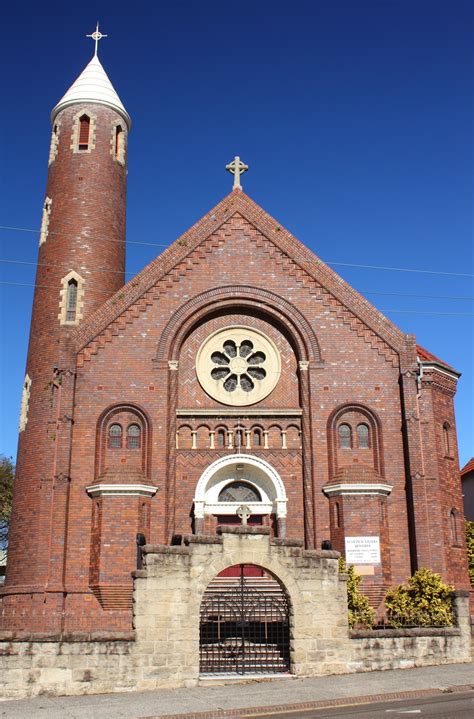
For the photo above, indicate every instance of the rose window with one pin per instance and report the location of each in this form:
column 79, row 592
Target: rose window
column 238, row 366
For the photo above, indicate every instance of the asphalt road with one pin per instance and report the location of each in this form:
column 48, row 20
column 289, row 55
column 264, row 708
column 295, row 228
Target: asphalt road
column 445, row 706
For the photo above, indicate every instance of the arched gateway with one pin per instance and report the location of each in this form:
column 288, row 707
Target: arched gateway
column 244, row 624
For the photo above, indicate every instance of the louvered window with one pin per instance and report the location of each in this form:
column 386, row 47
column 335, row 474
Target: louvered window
column 71, row 302
column 133, row 437
column 115, row 436
column 84, row 130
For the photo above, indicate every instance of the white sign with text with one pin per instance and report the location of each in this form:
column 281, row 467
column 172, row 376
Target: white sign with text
column 362, row 550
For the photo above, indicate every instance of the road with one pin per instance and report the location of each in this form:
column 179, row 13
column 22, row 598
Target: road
column 443, row 706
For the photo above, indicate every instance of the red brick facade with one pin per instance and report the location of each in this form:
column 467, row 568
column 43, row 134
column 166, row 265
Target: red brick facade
column 81, row 496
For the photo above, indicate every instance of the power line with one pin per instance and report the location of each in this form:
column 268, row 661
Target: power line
column 48, row 287
column 133, row 274
column 414, row 312
column 298, row 257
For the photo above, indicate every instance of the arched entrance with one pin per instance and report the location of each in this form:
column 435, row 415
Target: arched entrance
column 240, row 481
column 244, row 624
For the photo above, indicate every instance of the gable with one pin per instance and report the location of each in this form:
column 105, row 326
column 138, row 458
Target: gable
column 281, row 247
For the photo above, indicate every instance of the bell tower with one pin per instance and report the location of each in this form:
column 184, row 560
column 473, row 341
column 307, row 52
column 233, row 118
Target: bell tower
column 81, row 263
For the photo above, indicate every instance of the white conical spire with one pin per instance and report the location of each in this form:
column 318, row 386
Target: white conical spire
column 92, row 85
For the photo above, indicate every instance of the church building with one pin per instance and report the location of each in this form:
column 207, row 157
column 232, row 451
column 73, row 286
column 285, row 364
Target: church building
column 236, row 384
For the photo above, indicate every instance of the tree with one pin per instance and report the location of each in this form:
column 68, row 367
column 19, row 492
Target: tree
column 7, row 474
column 425, row 601
column 360, row 611
column 470, row 548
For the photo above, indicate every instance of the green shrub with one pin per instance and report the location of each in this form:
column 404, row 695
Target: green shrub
column 470, row 548
column 425, row 601
column 360, row 611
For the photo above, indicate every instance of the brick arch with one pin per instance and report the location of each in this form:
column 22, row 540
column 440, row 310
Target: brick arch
column 288, row 317
column 104, row 421
column 375, row 427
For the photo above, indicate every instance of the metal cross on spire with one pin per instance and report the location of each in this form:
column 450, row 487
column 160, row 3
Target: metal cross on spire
column 96, row 36
column 237, row 168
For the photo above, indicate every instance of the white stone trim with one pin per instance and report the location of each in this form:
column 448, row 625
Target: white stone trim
column 120, row 490
column 62, row 316
column 53, row 148
column 121, row 155
column 439, row 368
column 48, row 203
column 245, row 467
column 345, row 489
column 25, row 401
column 239, row 413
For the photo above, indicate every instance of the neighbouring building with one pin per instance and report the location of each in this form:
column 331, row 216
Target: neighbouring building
column 467, row 482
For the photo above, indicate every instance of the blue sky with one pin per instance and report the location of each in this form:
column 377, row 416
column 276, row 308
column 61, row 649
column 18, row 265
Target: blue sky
column 355, row 119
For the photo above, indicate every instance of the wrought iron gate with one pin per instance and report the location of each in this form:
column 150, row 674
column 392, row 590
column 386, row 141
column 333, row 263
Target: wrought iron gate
column 244, row 627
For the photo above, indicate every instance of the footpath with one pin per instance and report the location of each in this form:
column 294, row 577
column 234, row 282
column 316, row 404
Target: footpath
column 259, row 696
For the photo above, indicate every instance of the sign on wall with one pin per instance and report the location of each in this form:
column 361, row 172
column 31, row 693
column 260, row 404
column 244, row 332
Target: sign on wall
column 362, row 550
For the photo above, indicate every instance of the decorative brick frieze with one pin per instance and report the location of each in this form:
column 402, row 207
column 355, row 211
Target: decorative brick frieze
column 177, row 259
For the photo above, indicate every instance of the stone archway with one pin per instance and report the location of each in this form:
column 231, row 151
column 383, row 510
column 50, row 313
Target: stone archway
column 244, row 625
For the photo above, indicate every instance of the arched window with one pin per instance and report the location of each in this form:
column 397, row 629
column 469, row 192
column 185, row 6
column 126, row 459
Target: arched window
column 453, row 524
column 115, row 436
column 257, row 438
column 119, row 143
column 221, row 438
column 84, row 130
column 71, row 301
column 239, row 492
column 238, row 438
column 133, row 436
column 447, row 439
column 345, row 436
column 362, row 436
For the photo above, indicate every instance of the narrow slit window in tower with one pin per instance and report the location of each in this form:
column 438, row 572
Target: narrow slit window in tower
column 71, row 302
column 446, row 439
column 84, row 130
column 119, row 144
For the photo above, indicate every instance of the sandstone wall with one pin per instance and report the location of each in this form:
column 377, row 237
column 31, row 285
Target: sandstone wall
column 164, row 650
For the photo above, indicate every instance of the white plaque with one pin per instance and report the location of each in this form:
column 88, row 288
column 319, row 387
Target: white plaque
column 362, row 550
